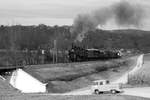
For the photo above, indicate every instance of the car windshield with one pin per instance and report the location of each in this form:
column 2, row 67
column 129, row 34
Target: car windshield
column 95, row 83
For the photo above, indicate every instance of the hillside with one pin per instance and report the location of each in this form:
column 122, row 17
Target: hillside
column 84, row 97
column 21, row 44
column 7, row 89
column 118, row 39
column 70, row 76
column 32, row 37
column 142, row 76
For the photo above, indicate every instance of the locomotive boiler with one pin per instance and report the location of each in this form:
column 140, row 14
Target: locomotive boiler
column 80, row 54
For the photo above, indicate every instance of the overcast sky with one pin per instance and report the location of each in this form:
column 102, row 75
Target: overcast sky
column 55, row 12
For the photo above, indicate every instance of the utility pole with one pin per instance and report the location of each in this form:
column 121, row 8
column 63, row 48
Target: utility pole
column 55, row 46
column 55, row 58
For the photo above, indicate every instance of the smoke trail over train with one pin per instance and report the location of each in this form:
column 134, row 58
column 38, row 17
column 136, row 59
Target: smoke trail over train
column 124, row 13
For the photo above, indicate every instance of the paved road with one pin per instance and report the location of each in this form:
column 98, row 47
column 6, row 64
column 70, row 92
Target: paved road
column 141, row 91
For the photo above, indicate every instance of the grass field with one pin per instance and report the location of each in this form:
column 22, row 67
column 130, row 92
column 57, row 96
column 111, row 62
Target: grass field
column 9, row 93
column 7, row 89
column 112, row 70
column 70, row 76
column 58, row 97
column 142, row 76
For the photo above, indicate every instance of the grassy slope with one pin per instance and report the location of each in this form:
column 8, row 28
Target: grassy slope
column 57, row 97
column 59, row 72
column 6, row 88
column 8, row 93
column 82, row 81
column 70, row 76
column 142, row 76
column 111, row 73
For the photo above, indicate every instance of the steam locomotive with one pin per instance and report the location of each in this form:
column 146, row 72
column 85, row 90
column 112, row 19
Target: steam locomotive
column 80, row 54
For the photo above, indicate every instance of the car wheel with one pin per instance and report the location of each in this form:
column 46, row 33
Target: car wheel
column 96, row 92
column 113, row 91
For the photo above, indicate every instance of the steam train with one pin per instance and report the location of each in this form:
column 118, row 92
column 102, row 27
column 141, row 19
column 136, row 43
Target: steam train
column 80, row 54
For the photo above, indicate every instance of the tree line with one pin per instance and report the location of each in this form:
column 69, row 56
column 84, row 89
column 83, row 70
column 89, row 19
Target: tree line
column 32, row 37
column 19, row 38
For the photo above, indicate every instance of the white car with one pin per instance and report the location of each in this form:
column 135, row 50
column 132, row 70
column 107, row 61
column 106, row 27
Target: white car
column 104, row 86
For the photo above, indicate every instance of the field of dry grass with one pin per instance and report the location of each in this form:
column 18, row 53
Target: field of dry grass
column 112, row 70
column 9, row 93
column 59, row 97
column 142, row 76
column 7, row 89
column 140, row 79
column 70, row 76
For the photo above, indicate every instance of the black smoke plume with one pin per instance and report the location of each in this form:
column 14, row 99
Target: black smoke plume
column 127, row 14
column 124, row 14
